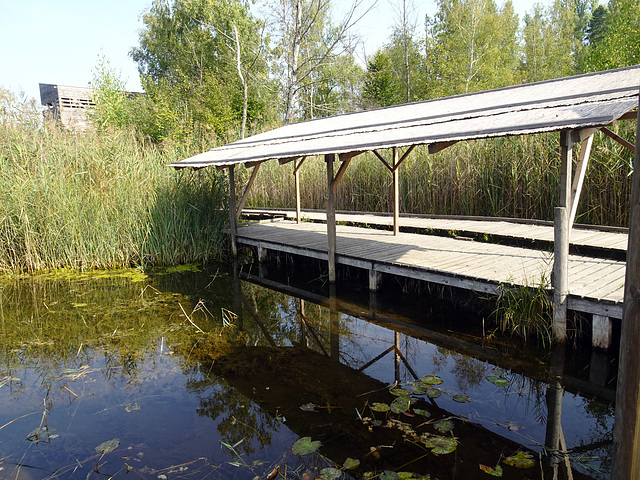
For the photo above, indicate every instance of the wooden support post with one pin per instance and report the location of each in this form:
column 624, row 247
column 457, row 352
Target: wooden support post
column 578, row 180
column 560, row 273
column 626, row 430
column 331, row 218
column 561, row 241
column 396, row 192
column 233, row 220
column 245, row 194
column 601, row 331
column 374, row 280
column 296, row 174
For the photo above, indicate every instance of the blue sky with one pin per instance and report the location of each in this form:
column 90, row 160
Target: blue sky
column 60, row 41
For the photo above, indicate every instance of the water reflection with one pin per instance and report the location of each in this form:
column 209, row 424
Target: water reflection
column 209, row 374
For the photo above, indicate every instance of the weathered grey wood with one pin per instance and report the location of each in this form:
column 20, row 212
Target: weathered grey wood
column 396, row 192
column 581, row 169
column 331, row 218
column 560, row 275
column 561, row 240
column 591, row 236
column 243, row 200
column 601, row 331
column 446, row 261
column 626, row 144
column 233, row 220
column 626, row 431
column 296, row 175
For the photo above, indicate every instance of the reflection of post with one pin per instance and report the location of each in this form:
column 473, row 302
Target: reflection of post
column 303, row 326
column 555, row 391
column 334, row 324
column 396, row 356
column 237, row 294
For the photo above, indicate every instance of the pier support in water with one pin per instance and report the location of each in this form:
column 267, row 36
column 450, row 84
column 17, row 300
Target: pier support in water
column 626, row 430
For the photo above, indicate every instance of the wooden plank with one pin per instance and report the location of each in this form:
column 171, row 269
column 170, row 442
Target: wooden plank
column 439, row 258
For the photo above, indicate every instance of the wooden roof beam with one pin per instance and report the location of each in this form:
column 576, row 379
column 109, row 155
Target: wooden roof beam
column 392, row 168
column 245, row 194
column 438, row 147
column 619, row 139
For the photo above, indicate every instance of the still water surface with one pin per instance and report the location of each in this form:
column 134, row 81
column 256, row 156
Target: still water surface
column 184, row 374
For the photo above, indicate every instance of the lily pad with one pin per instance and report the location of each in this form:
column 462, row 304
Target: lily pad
column 419, row 388
column 441, row 445
column 432, row 380
column 304, row 446
column 422, row 413
column 399, row 392
column 351, row 463
column 498, row 381
column 461, row 398
column 495, row 472
column 330, row 473
column 433, row 392
column 443, row 426
column 520, row 460
column 108, row 446
column 308, row 407
column 380, row 407
column 389, row 475
column 401, row 404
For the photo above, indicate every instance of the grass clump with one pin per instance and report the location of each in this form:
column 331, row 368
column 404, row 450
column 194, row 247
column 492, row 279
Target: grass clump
column 525, row 312
column 99, row 199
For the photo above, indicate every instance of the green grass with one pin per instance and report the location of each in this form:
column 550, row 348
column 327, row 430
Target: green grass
column 99, row 199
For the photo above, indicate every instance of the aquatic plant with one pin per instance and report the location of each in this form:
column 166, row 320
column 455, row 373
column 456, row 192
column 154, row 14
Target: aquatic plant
column 525, row 311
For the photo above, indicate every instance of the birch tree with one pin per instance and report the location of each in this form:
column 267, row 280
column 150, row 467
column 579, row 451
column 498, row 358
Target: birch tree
column 308, row 44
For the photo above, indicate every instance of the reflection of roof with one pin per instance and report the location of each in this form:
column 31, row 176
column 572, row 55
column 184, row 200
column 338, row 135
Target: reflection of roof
column 591, row 100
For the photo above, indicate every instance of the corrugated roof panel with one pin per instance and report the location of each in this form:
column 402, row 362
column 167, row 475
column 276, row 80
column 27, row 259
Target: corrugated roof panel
column 582, row 101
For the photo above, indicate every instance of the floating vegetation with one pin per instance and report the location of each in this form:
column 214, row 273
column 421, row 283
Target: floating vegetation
column 498, row 381
column 520, row 460
column 440, row 445
column 108, row 446
column 461, row 398
column 493, row 471
column 305, row 446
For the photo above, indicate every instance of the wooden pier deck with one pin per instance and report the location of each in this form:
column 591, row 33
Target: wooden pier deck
column 596, row 285
column 605, row 240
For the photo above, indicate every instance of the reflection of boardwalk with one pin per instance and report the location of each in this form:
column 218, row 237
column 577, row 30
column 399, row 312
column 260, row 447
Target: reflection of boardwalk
column 595, row 285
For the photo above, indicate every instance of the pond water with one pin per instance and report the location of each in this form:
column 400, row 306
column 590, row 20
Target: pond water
column 211, row 374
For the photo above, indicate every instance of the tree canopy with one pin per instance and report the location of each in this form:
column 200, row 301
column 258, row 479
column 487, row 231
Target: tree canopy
column 212, row 68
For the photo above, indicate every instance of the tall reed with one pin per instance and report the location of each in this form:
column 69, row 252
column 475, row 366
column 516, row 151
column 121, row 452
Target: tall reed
column 100, row 200
column 514, row 177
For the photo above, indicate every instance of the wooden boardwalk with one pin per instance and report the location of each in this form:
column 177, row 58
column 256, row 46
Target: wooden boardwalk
column 612, row 240
column 596, row 285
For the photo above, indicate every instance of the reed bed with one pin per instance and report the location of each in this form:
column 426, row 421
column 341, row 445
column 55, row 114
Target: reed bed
column 100, row 200
column 513, row 177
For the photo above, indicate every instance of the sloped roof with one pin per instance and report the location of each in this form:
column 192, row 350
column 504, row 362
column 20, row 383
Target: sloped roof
column 591, row 100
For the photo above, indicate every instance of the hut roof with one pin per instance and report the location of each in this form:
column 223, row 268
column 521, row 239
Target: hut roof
column 582, row 101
